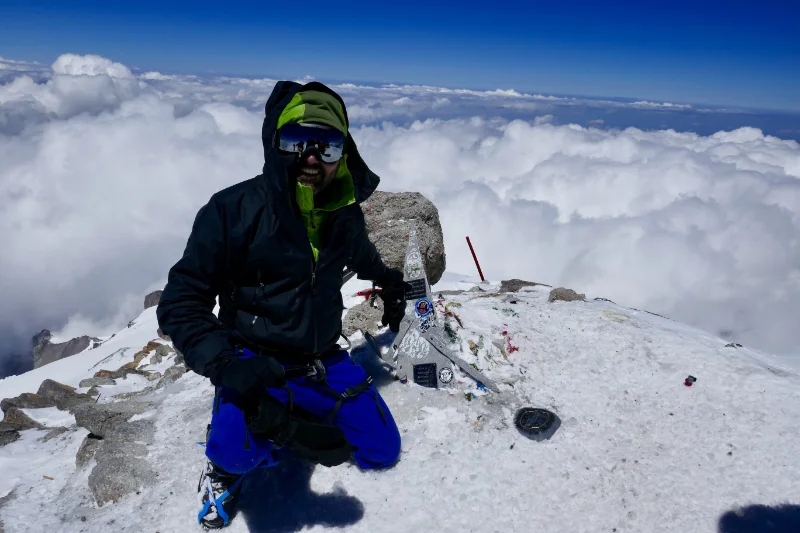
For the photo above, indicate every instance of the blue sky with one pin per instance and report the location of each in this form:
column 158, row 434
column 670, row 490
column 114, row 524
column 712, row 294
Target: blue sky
column 744, row 54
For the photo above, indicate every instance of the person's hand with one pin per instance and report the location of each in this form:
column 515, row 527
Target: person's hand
column 393, row 294
column 251, row 375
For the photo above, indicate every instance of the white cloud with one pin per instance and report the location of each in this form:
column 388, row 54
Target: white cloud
column 100, row 183
column 657, row 105
column 157, row 76
column 698, row 228
column 89, row 65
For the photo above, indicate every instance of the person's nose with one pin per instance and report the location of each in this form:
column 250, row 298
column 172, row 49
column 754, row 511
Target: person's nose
column 311, row 159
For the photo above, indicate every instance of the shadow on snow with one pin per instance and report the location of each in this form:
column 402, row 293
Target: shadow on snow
column 280, row 500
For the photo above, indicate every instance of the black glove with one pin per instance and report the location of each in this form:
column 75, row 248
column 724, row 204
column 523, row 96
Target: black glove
column 251, row 375
column 319, row 443
column 393, row 294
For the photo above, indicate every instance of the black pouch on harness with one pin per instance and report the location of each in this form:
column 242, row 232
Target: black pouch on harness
column 320, row 443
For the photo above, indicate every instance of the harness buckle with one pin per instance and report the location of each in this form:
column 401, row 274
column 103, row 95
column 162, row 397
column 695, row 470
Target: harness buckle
column 317, row 371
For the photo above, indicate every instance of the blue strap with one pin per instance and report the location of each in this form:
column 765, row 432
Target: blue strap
column 204, row 511
column 220, row 511
column 218, row 504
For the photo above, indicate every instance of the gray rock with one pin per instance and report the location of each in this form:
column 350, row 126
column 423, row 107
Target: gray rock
column 27, row 400
column 124, row 371
column 89, row 446
column 152, row 299
column 4, row 500
column 363, row 317
column 164, row 350
column 163, row 336
column 15, row 417
column 63, row 396
column 161, row 352
column 566, row 295
column 8, row 433
column 171, row 375
column 101, row 419
column 54, row 433
column 387, row 215
column 141, row 393
column 513, row 285
column 96, row 382
column 179, row 360
column 45, row 352
column 122, row 465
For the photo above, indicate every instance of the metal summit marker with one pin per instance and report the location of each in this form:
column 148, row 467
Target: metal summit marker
column 419, row 351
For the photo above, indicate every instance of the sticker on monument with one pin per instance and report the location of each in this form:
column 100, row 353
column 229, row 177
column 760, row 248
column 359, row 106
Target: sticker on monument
column 446, row 374
column 423, row 307
column 425, row 375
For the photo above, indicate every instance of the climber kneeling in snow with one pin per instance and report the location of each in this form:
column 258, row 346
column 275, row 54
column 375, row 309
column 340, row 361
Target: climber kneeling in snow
column 273, row 249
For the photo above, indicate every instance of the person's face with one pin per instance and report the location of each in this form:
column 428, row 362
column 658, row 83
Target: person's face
column 316, row 173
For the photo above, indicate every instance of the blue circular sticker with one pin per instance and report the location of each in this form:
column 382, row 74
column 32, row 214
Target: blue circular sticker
column 423, row 307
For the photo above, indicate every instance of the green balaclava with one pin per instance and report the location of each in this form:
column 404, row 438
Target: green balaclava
column 320, row 108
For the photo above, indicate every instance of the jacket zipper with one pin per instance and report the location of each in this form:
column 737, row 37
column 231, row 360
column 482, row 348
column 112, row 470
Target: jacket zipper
column 261, row 285
column 313, row 293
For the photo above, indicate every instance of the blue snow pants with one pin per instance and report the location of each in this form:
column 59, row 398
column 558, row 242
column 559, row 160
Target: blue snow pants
column 373, row 434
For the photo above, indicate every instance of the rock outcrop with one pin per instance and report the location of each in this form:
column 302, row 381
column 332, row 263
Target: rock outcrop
column 122, row 465
column 513, row 285
column 63, row 396
column 565, row 295
column 88, row 448
column 8, row 433
column 45, row 352
column 18, row 418
column 152, row 299
column 388, row 214
column 102, row 419
column 26, row 400
column 118, row 442
column 363, row 317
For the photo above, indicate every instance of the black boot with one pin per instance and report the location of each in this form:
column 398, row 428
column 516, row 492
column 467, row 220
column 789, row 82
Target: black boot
column 216, row 494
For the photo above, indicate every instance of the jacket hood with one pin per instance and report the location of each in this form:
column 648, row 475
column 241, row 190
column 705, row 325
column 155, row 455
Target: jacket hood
column 276, row 164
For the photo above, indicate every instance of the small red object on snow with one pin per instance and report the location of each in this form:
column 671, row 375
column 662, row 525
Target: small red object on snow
column 688, row 382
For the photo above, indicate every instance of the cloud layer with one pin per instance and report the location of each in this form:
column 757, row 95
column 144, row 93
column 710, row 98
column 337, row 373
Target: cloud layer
column 102, row 172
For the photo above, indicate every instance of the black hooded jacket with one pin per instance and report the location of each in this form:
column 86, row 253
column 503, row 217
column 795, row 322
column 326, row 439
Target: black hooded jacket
column 249, row 246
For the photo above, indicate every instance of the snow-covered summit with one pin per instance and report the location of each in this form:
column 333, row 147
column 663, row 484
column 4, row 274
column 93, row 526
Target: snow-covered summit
column 637, row 451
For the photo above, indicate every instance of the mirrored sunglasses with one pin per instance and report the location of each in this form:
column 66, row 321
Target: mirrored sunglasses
column 300, row 138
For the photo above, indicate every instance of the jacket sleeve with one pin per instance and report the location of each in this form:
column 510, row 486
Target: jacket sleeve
column 365, row 260
column 185, row 311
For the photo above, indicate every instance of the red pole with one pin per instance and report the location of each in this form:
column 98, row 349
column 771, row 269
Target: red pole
column 476, row 259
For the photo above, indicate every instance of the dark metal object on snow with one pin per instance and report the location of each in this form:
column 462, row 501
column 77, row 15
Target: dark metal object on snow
column 536, row 423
